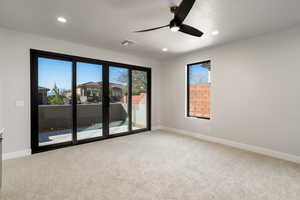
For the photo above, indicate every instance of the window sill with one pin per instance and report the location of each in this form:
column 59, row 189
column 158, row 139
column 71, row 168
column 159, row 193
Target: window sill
column 194, row 117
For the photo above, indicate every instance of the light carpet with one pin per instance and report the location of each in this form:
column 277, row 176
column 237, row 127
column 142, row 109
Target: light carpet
column 154, row 165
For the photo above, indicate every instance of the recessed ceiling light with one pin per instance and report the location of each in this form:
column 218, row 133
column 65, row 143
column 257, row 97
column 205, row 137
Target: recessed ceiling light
column 215, row 32
column 164, row 49
column 62, row 19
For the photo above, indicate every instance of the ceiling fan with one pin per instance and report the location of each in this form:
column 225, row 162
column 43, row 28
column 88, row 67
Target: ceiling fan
column 180, row 13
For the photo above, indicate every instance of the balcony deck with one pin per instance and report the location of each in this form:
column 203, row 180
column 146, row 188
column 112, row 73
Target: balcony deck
column 55, row 137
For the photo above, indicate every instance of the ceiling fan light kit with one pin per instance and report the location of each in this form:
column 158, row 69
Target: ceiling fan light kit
column 176, row 24
column 175, row 28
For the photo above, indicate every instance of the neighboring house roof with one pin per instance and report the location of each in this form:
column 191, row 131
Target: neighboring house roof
column 98, row 85
column 90, row 85
column 116, row 85
column 43, row 88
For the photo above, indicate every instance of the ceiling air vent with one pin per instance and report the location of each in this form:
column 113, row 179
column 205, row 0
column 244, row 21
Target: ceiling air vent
column 127, row 43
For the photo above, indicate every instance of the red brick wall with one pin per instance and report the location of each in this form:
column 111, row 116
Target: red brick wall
column 136, row 99
column 200, row 100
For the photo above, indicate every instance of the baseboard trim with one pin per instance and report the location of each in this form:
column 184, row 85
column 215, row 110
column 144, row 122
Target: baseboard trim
column 16, row 154
column 155, row 128
column 27, row 152
column 246, row 147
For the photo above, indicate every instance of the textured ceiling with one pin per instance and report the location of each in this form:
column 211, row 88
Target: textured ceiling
column 105, row 23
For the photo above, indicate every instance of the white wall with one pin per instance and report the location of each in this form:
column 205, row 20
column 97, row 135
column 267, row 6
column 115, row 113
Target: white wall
column 255, row 88
column 255, row 92
column 15, row 79
column 1, row 104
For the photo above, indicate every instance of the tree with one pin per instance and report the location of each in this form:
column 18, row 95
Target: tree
column 55, row 89
column 57, row 98
column 139, row 81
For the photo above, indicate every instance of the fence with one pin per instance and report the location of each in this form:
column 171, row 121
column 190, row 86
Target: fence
column 57, row 117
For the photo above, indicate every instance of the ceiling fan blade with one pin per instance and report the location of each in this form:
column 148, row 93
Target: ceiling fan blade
column 151, row 29
column 190, row 30
column 183, row 10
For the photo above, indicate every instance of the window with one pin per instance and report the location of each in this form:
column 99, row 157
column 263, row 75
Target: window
column 198, row 90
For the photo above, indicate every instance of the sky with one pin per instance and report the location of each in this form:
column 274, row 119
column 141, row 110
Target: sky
column 198, row 74
column 59, row 72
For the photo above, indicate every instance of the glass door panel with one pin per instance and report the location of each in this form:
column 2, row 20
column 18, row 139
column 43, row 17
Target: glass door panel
column 139, row 99
column 118, row 100
column 89, row 100
column 54, row 101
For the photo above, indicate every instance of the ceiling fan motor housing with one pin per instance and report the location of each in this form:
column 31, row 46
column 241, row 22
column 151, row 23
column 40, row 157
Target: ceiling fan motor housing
column 174, row 23
column 173, row 9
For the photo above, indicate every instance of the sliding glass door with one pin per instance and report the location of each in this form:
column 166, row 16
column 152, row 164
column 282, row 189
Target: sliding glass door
column 139, row 96
column 54, row 99
column 118, row 100
column 76, row 100
column 89, row 97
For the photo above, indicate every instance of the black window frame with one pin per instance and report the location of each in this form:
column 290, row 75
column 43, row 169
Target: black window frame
column 35, row 54
column 188, row 89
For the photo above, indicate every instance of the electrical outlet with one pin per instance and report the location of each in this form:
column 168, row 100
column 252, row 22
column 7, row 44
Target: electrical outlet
column 20, row 103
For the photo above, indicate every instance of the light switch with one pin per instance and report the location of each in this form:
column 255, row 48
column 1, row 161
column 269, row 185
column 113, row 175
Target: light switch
column 20, row 103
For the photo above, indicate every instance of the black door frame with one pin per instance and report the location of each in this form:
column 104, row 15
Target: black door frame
column 35, row 54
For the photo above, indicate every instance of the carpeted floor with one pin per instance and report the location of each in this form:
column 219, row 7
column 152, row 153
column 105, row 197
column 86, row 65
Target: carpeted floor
column 157, row 166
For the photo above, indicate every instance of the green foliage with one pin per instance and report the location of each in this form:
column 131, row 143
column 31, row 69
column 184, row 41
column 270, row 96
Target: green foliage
column 139, row 81
column 56, row 99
